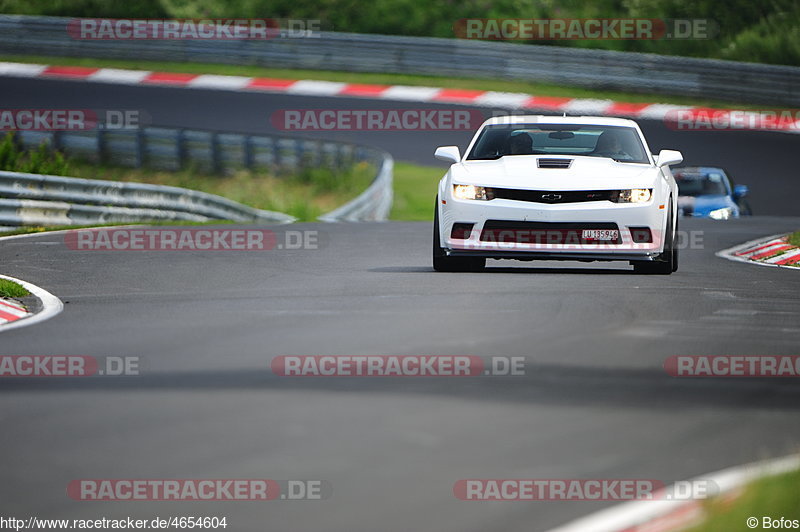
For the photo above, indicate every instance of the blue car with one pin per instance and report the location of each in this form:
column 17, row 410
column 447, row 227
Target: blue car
column 708, row 192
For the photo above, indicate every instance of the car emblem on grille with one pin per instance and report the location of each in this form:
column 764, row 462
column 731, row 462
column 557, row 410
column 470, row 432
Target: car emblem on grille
column 551, row 197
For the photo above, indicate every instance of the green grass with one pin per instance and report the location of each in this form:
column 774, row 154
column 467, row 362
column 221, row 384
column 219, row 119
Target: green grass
column 537, row 89
column 305, row 195
column 12, row 289
column 794, row 239
column 773, row 497
column 414, row 191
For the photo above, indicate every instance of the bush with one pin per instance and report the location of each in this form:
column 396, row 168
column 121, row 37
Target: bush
column 42, row 160
column 395, row 17
column 764, row 30
column 86, row 8
column 776, row 39
column 9, row 154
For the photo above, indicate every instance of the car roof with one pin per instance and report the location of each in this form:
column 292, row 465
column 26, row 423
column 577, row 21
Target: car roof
column 549, row 119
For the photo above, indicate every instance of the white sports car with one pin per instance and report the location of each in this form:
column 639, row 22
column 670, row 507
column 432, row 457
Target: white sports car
column 557, row 188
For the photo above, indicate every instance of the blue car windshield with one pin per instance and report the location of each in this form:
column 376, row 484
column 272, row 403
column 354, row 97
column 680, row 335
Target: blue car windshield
column 700, row 184
column 623, row 144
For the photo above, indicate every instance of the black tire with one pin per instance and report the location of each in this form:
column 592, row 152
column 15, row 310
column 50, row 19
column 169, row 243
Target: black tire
column 744, row 208
column 666, row 262
column 674, row 248
column 443, row 263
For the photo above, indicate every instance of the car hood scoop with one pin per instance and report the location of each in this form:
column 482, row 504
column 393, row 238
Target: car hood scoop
column 543, row 162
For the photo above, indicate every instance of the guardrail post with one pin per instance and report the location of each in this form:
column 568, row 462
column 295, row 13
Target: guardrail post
column 100, row 146
column 248, row 152
column 277, row 160
column 180, row 148
column 216, row 162
column 318, row 153
column 139, row 140
column 299, row 153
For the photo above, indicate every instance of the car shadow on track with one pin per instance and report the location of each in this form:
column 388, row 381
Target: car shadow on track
column 586, row 270
column 542, row 384
column 558, row 270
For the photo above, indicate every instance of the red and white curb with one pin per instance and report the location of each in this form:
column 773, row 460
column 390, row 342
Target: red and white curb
column 672, row 516
column 307, row 87
column 12, row 315
column 11, row 311
column 774, row 250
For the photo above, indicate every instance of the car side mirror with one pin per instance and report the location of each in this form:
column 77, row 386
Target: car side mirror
column 449, row 154
column 668, row 157
column 740, row 191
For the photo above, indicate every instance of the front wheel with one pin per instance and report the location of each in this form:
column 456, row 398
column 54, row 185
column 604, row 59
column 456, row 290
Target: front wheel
column 443, row 263
column 744, row 208
column 666, row 262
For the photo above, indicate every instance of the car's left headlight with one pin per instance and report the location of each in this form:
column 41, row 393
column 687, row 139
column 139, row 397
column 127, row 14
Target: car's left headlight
column 634, row 195
column 472, row 192
column 721, row 214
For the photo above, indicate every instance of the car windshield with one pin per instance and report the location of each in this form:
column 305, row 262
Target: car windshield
column 700, row 184
column 620, row 143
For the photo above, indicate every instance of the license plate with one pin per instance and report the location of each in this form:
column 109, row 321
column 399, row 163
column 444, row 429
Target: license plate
column 600, row 234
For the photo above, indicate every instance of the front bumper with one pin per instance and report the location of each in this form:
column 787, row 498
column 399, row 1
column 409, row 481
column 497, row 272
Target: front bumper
column 541, row 224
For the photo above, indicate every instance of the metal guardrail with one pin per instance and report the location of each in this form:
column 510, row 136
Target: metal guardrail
column 174, row 149
column 31, row 199
column 373, row 205
column 706, row 78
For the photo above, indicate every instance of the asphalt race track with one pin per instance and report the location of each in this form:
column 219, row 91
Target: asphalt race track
column 595, row 401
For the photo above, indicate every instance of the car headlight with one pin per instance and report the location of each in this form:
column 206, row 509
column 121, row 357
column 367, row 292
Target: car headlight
column 634, row 195
column 471, row 192
column 721, row 214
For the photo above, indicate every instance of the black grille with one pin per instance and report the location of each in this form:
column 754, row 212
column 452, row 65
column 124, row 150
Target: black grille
column 554, row 163
column 553, row 196
column 544, row 232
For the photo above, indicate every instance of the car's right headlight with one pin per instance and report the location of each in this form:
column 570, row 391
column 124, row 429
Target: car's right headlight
column 472, row 192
